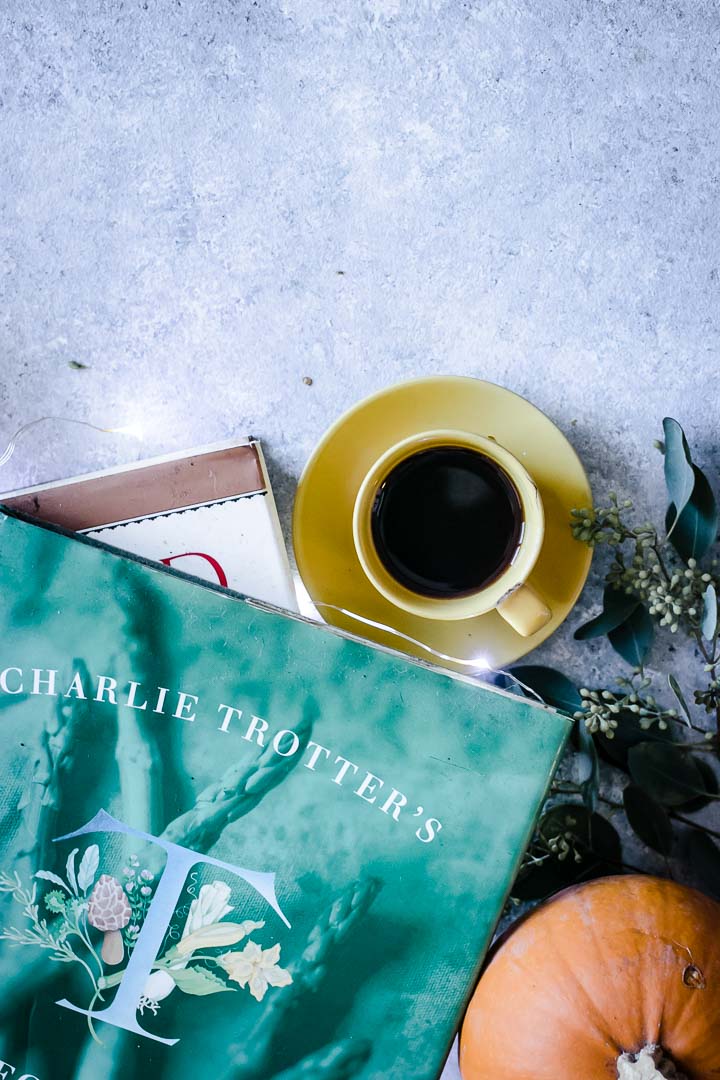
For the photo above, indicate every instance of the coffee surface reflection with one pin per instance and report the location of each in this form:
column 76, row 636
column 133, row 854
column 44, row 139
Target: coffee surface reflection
column 446, row 521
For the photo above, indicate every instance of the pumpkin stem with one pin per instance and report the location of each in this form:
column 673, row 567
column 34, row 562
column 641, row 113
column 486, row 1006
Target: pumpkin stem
column 652, row 1063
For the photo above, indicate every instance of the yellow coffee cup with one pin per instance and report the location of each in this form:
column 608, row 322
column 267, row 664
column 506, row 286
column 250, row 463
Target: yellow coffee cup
column 385, row 490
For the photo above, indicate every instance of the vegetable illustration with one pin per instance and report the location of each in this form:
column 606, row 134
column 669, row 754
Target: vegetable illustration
column 158, row 986
column 256, row 968
column 193, row 965
column 618, row 977
column 254, row 1059
column 109, row 911
column 209, row 907
column 204, row 930
column 59, row 922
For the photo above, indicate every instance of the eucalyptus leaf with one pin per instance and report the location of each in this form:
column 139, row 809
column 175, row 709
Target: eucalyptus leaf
column 710, row 613
column 679, row 475
column 704, row 857
column 648, row 819
column 617, row 607
column 665, row 773
column 628, row 734
column 538, row 882
column 198, row 981
column 695, row 530
column 545, row 879
column 709, row 780
column 633, row 638
column 553, row 687
column 675, row 687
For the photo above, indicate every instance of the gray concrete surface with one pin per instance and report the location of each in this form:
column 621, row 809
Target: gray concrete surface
column 205, row 202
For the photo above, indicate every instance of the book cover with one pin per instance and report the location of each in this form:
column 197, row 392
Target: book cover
column 233, row 843
column 209, row 512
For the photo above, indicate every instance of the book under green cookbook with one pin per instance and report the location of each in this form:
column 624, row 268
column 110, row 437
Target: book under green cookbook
column 235, row 844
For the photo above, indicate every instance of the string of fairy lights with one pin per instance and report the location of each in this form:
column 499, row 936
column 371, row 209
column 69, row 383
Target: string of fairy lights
column 476, row 666
column 128, row 429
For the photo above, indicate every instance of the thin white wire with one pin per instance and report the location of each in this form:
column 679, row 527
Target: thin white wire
column 10, row 448
column 472, row 664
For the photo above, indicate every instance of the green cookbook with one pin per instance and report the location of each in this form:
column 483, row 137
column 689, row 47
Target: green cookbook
column 235, row 844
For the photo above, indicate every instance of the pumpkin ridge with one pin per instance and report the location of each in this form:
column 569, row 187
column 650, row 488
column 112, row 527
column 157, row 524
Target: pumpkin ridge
column 605, row 1030
column 686, row 1002
column 597, row 1019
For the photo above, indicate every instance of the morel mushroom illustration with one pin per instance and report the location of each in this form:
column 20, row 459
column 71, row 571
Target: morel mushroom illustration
column 109, row 911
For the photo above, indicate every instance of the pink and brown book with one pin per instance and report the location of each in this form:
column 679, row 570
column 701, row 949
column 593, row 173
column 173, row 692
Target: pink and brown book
column 209, row 512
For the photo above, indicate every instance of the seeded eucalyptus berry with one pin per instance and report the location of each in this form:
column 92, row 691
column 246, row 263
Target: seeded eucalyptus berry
column 644, row 743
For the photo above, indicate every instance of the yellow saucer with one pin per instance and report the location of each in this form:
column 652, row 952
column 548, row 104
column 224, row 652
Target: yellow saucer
column 322, row 519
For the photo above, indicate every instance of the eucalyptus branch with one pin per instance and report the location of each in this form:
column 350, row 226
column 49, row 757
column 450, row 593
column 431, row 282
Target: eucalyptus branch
column 653, row 581
column 656, row 579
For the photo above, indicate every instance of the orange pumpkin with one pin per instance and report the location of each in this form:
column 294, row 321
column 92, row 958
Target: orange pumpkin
column 616, row 978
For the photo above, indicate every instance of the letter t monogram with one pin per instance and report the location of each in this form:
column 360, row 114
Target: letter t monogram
column 122, row 1012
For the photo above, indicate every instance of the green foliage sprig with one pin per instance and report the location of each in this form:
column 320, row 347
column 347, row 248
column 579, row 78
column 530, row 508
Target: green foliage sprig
column 643, row 734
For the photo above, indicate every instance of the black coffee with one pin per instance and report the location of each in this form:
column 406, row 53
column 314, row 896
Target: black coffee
column 446, row 521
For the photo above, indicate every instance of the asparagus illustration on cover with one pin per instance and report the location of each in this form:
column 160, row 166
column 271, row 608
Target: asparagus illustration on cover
column 233, row 834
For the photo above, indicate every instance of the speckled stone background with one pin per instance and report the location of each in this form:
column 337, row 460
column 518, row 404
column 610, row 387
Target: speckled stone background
column 206, row 202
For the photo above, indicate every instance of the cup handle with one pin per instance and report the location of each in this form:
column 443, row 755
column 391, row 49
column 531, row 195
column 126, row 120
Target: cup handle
column 525, row 610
